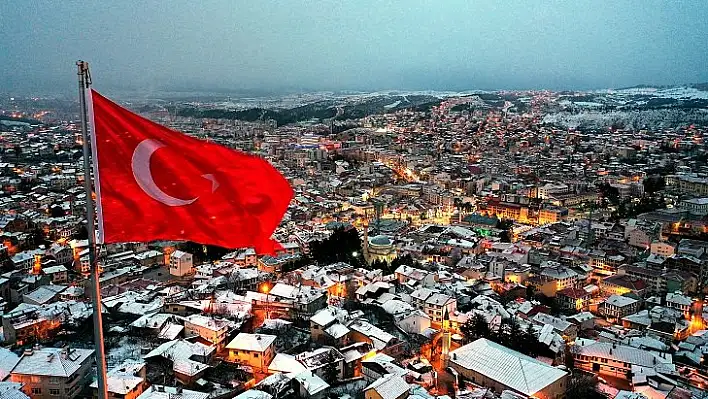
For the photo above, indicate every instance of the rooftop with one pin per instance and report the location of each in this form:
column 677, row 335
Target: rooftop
column 519, row 372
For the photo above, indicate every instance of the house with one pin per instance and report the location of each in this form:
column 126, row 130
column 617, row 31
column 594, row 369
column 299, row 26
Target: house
column 181, row 263
column 58, row 274
column 53, row 372
column 164, row 392
column 210, row 329
column 566, row 329
column 306, row 300
column 309, row 385
column 189, row 361
column 415, row 322
column 617, row 306
column 43, row 295
column 390, row 386
column 618, row 360
column 679, row 302
column 126, row 381
column 557, row 278
column 363, row 331
column 326, row 326
column 573, row 299
column 499, row 368
column 254, row 350
column 436, row 304
column 621, row 284
column 407, row 275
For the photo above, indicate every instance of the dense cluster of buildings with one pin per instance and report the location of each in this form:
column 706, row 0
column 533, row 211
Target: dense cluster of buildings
column 471, row 218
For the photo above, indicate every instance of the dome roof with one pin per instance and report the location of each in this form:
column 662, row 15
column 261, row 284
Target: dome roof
column 380, row 240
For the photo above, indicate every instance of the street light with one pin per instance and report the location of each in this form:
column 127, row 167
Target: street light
column 265, row 288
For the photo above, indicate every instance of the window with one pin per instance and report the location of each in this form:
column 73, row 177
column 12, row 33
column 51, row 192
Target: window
column 255, row 355
column 34, row 378
column 36, row 391
column 54, row 380
column 54, row 392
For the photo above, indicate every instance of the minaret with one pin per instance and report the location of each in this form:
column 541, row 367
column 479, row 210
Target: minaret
column 37, row 267
column 366, row 240
column 446, row 336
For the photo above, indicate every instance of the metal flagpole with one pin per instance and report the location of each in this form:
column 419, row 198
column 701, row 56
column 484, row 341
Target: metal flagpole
column 85, row 83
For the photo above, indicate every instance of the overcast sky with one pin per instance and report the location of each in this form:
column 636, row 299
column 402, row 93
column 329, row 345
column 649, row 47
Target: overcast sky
column 358, row 44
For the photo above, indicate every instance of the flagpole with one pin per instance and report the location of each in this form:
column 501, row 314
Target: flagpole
column 85, row 83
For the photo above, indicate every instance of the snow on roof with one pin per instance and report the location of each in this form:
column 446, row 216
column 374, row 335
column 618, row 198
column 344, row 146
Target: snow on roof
column 621, row 353
column 124, row 378
column 390, row 386
column 620, row 301
column 208, row 322
column 53, row 362
column 180, row 349
column 254, row 394
column 54, row 269
column 251, row 342
column 519, row 372
column 311, row 382
column 379, row 337
column 164, row 392
column 12, row 390
column 329, row 315
column 170, row 331
column 8, row 360
column 284, row 363
column 557, row 323
column 188, row 367
column 41, row 295
column 337, row 330
column 152, row 320
column 679, row 299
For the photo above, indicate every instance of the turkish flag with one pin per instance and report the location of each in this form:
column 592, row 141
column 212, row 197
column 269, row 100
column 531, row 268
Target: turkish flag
column 154, row 183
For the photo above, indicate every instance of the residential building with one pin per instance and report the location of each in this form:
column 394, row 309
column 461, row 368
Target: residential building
column 210, row 329
column 53, row 372
column 390, row 386
column 181, row 263
column 254, row 350
column 617, row 306
column 620, row 361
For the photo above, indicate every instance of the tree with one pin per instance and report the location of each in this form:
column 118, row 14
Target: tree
column 475, row 327
column 56, row 211
column 406, row 259
column 653, row 184
column 330, row 371
column 583, row 386
column 529, row 342
column 344, row 245
column 610, row 193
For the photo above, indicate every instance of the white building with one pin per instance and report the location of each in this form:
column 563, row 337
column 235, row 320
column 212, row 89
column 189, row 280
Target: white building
column 494, row 366
column 662, row 248
column 181, row 263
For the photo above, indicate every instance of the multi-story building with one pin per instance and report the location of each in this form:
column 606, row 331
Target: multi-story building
column 181, row 263
column 618, row 360
column 436, row 305
column 617, row 306
column 208, row 328
column 53, row 372
column 253, row 350
column 688, row 184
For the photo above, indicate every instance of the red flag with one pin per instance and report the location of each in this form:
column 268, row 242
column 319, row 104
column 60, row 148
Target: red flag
column 158, row 184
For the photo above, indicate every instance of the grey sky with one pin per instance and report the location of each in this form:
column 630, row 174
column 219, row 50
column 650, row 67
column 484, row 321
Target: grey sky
column 359, row 44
